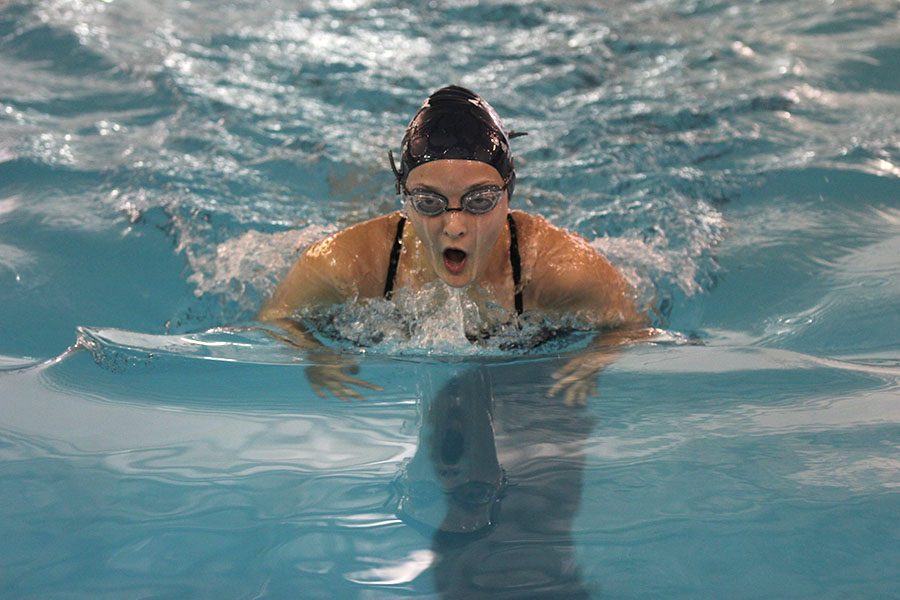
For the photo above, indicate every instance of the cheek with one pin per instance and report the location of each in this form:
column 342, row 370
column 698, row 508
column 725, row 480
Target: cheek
column 488, row 233
column 425, row 230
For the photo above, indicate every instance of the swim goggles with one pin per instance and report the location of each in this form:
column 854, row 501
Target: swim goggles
column 470, row 493
column 478, row 201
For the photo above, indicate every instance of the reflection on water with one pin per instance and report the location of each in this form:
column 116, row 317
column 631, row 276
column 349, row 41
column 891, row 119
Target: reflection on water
column 454, row 482
column 232, row 479
column 496, row 483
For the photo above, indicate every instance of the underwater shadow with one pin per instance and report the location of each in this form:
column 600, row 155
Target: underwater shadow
column 496, row 484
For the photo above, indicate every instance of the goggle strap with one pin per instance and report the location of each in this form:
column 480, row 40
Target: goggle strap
column 397, row 174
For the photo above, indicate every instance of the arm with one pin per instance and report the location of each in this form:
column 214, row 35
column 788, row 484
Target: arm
column 321, row 276
column 316, row 279
column 579, row 281
column 347, row 265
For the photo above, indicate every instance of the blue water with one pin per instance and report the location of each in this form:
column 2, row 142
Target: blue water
column 161, row 163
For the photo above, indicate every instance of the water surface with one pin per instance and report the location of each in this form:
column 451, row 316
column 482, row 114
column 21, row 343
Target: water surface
column 162, row 163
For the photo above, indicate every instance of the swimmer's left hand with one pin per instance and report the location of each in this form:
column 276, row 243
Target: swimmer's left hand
column 577, row 379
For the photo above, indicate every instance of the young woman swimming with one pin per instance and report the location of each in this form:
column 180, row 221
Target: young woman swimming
column 456, row 179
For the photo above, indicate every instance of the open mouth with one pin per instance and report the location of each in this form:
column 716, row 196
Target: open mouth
column 454, row 260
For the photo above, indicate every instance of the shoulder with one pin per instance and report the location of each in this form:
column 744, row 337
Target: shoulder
column 348, row 264
column 356, row 258
column 545, row 245
column 566, row 273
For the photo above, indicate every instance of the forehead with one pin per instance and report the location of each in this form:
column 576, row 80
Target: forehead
column 453, row 173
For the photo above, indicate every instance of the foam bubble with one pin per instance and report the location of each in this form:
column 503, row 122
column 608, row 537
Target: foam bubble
column 247, row 268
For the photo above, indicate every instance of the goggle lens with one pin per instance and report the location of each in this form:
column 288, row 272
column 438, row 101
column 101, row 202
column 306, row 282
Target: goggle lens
column 427, row 203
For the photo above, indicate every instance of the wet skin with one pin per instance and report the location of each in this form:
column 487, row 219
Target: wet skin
column 561, row 274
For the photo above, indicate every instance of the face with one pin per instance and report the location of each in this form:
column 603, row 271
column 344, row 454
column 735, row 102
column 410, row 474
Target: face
column 457, row 244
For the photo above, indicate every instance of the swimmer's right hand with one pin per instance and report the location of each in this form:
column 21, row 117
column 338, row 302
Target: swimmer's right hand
column 332, row 373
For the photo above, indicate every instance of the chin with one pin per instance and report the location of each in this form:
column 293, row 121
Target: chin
column 457, row 281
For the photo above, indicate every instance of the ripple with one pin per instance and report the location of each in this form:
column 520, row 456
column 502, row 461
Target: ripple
column 49, row 47
column 738, row 160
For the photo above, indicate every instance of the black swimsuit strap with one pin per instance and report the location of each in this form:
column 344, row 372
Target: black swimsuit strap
column 395, row 259
column 516, row 262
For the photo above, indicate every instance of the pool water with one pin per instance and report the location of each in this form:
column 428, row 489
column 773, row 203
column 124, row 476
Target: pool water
column 162, row 163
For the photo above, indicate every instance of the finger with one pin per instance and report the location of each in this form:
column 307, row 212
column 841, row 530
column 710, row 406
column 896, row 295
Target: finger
column 318, row 389
column 343, row 380
column 581, row 397
column 339, row 390
column 566, row 369
column 563, row 384
column 571, row 366
column 577, row 394
column 571, row 379
column 571, row 396
column 346, row 394
column 361, row 383
column 555, row 389
column 590, row 391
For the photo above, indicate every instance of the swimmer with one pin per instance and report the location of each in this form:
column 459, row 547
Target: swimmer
column 456, row 180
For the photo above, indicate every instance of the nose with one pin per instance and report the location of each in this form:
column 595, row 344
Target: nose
column 455, row 224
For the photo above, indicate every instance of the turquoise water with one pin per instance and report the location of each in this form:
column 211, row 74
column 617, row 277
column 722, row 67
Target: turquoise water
column 161, row 163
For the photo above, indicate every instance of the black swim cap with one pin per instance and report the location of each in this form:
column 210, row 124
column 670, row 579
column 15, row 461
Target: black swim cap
column 455, row 123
